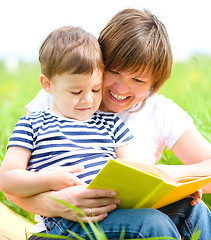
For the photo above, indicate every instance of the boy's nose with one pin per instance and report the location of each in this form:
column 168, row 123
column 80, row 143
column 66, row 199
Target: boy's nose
column 87, row 98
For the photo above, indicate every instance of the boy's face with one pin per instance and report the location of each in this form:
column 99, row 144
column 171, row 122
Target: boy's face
column 76, row 96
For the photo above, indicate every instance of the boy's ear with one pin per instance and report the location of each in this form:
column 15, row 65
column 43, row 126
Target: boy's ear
column 46, row 84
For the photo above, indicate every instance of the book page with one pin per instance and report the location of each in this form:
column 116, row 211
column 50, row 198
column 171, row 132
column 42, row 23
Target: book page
column 152, row 169
column 157, row 171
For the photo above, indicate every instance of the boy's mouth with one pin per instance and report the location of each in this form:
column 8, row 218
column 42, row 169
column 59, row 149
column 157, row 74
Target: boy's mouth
column 84, row 109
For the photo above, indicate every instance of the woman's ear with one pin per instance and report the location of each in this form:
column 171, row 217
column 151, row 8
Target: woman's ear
column 46, row 84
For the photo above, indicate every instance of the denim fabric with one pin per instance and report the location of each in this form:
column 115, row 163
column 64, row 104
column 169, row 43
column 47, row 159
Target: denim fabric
column 187, row 218
column 137, row 223
column 142, row 223
column 42, row 238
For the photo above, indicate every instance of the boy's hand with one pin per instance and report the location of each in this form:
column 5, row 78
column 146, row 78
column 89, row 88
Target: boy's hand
column 62, row 177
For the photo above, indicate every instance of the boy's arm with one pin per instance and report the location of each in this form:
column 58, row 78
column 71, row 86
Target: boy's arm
column 16, row 180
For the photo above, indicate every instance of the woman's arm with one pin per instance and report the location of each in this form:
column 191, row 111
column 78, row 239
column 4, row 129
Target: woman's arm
column 100, row 201
column 195, row 152
column 125, row 152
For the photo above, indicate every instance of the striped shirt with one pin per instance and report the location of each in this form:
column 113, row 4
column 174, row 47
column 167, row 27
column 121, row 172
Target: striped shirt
column 55, row 141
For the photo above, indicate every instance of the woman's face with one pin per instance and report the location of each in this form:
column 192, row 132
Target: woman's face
column 123, row 90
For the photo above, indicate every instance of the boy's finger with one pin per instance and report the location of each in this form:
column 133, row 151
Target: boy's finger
column 75, row 168
column 78, row 181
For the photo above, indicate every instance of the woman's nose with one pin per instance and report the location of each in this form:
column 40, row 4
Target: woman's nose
column 122, row 85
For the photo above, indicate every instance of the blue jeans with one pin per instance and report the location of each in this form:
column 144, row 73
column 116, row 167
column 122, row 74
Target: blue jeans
column 153, row 224
column 143, row 223
column 187, row 218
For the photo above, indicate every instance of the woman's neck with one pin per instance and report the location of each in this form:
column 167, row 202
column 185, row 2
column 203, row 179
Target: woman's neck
column 103, row 108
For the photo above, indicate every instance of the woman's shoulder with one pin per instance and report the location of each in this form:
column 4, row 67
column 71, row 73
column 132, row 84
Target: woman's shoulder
column 160, row 105
column 158, row 101
column 154, row 105
column 40, row 102
column 157, row 108
column 163, row 106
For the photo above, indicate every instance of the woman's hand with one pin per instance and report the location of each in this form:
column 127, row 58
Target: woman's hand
column 197, row 197
column 100, row 201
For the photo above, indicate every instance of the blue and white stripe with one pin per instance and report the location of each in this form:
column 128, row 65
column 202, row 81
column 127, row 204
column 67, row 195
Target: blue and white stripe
column 55, row 141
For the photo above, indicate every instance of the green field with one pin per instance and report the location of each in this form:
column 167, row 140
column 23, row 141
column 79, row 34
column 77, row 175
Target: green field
column 189, row 86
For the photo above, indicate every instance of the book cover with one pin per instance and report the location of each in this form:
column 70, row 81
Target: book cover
column 138, row 188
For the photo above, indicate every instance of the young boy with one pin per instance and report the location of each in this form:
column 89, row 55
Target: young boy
column 70, row 142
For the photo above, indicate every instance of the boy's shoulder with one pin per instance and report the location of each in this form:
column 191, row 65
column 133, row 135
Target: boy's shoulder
column 35, row 115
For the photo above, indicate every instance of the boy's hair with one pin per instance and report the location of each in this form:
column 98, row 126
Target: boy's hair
column 136, row 41
column 70, row 49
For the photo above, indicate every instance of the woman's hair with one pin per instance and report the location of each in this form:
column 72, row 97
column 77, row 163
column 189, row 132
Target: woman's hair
column 70, row 49
column 136, row 41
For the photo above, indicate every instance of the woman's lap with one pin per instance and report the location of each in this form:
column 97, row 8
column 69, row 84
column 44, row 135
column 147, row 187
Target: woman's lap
column 150, row 222
column 137, row 223
column 187, row 218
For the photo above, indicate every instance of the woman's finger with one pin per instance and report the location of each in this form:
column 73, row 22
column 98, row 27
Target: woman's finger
column 98, row 218
column 197, row 197
column 99, row 193
column 99, row 202
column 91, row 212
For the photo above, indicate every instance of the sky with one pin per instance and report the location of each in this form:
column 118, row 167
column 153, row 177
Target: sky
column 26, row 23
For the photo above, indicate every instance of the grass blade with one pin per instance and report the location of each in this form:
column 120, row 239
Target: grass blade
column 45, row 235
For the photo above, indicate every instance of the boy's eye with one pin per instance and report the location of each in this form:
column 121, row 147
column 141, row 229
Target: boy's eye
column 96, row 90
column 76, row 93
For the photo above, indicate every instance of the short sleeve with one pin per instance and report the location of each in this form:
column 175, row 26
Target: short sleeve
column 172, row 121
column 22, row 135
column 41, row 102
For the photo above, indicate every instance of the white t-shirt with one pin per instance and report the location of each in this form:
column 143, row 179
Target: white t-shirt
column 160, row 123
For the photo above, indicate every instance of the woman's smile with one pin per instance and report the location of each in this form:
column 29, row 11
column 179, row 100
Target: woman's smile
column 118, row 97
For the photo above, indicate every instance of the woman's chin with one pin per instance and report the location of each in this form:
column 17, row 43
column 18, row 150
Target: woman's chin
column 110, row 104
column 113, row 107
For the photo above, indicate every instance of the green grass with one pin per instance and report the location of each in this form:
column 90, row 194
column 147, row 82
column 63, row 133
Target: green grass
column 17, row 88
column 189, row 86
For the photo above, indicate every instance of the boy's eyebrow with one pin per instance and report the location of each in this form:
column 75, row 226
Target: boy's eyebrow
column 74, row 87
column 79, row 87
column 98, row 85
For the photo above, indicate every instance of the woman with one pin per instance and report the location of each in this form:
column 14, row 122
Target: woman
column 138, row 60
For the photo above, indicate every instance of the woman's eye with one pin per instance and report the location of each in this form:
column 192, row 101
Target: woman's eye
column 138, row 80
column 76, row 93
column 113, row 72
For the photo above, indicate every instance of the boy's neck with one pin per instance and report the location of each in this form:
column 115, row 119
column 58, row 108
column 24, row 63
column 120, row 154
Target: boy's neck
column 55, row 112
